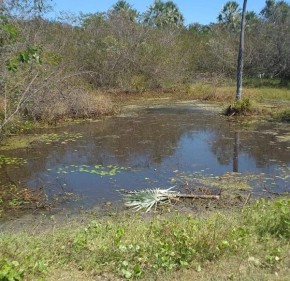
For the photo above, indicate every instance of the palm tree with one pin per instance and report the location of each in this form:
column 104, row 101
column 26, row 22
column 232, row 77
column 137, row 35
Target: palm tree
column 267, row 12
column 121, row 5
column 276, row 12
column 230, row 15
column 241, row 54
column 124, row 7
column 161, row 14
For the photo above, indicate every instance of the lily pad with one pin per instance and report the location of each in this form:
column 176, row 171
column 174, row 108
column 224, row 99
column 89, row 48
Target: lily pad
column 110, row 170
column 4, row 160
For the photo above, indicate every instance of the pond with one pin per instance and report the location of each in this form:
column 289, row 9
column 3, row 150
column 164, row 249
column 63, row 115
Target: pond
column 88, row 163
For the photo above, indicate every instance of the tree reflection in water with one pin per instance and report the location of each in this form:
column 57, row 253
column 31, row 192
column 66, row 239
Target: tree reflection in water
column 154, row 142
column 236, row 153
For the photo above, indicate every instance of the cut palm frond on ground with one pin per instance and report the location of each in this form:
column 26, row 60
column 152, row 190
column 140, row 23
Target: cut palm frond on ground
column 147, row 198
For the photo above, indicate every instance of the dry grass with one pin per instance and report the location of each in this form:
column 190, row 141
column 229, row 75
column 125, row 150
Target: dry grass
column 227, row 93
column 101, row 105
column 234, row 268
column 75, row 103
column 205, row 91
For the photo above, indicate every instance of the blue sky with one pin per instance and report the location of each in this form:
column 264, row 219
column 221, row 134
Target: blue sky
column 201, row 11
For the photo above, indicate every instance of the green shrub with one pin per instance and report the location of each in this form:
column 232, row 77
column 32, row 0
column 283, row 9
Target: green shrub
column 10, row 271
column 240, row 107
column 272, row 218
column 139, row 83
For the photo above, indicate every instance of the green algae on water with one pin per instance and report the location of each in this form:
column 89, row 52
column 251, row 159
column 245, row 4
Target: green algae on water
column 17, row 142
column 110, row 170
column 4, row 160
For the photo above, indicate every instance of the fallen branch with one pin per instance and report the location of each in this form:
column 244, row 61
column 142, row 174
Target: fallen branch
column 195, row 196
column 247, row 199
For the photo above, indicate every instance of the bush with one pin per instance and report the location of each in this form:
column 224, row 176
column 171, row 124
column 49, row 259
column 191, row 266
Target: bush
column 240, row 107
column 139, row 83
column 272, row 218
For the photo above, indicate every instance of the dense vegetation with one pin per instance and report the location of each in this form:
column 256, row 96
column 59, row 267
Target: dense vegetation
column 53, row 69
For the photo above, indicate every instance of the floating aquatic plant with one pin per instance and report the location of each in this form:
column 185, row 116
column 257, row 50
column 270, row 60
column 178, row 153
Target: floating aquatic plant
column 235, row 181
column 63, row 138
column 110, row 170
column 35, row 139
column 4, row 160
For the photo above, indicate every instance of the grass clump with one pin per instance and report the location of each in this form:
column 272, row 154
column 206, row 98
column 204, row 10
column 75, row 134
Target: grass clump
column 240, row 107
column 131, row 248
column 210, row 92
column 283, row 116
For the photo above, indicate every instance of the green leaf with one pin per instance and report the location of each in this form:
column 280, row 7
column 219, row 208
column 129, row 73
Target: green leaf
column 127, row 274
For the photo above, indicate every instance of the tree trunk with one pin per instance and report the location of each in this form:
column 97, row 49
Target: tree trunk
column 241, row 54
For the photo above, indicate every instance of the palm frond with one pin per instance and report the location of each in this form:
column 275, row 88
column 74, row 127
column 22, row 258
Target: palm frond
column 147, row 198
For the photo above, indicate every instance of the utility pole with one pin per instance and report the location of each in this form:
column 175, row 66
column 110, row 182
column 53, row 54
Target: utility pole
column 241, row 54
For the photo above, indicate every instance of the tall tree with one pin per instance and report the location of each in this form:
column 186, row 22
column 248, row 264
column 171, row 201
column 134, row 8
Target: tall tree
column 251, row 18
column 162, row 14
column 124, row 7
column 26, row 8
column 230, row 15
column 275, row 30
column 268, row 10
column 241, row 54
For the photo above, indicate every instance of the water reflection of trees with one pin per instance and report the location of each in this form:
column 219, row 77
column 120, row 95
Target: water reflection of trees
column 139, row 141
column 147, row 139
column 236, row 151
column 260, row 145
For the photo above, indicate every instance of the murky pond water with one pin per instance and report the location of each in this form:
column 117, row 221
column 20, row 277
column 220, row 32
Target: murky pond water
column 149, row 147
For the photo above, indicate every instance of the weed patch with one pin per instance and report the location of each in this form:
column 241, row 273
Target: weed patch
column 283, row 116
column 241, row 107
column 12, row 197
column 272, row 218
column 10, row 270
column 131, row 247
